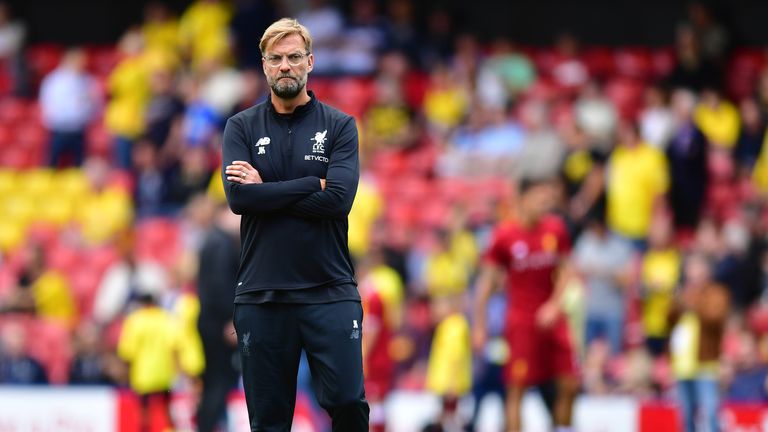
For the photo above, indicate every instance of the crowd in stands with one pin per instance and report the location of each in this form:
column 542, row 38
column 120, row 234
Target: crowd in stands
column 110, row 184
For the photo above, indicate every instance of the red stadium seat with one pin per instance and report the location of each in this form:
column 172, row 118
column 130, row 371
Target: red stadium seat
column 43, row 58
column 600, row 62
column 98, row 141
column 662, row 61
column 158, row 240
column 626, row 94
column 30, row 136
column 51, row 346
column 63, row 258
column 100, row 60
column 634, row 63
column 14, row 111
column 85, row 282
column 743, row 71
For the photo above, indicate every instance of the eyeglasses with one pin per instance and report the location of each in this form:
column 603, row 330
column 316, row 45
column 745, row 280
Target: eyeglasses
column 294, row 59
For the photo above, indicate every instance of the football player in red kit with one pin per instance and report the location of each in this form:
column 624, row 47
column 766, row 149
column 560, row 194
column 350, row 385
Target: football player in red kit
column 530, row 251
column 378, row 365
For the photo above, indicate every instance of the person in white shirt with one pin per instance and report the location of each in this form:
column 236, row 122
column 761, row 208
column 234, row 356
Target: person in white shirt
column 69, row 101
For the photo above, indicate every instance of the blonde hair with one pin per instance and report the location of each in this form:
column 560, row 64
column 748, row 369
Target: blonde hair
column 282, row 28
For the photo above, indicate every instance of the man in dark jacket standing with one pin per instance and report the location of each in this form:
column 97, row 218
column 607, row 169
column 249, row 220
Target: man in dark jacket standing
column 219, row 259
column 291, row 170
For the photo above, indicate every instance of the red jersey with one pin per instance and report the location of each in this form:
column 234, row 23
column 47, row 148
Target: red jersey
column 379, row 365
column 530, row 257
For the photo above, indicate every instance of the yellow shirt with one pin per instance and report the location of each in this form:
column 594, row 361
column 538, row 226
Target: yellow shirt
column 445, row 275
column 760, row 171
column 164, row 35
column 720, row 125
column 53, row 298
column 128, row 86
column 660, row 274
column 387, row 122
column 149, row 342
column 389, row 285
column 445, row 107
column 450, row 358
column 636, row 177
column 204, row 31
column 191, row 357
column 365, row 210
column 684, row 347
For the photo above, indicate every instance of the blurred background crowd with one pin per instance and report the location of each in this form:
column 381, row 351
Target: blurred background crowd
column 113, row 220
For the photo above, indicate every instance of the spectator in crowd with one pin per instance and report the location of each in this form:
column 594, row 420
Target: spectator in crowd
column 739, row 260
column 13, row 35
column 389, row 121
column 637, row 183
column 129, row 93
column 160, row 34
column 511, row 71
column 89, row 364
column 218, row 262
column 692, row 71
column 712, row 36
column 657, row 122
column 602, row 260
column 659, row 276
column 201, row 124
column 151, row 184
column 695, row 344
column 446, row 102
column 444, row 271
column 16, row 366
column 365, row 36
column 438, row 40
column 204, row 31
column 718, row 119
column 123, row 281
column 191, row 177
column 403, row 31
column 596, row 115
column 164, row 110
column 542, row 150
column 568, row 69
column 68, row 101
column 687, row 153
column 50, row 290
column 325, row 22
column 751, row 137
column 748, row 375
column 250, row 19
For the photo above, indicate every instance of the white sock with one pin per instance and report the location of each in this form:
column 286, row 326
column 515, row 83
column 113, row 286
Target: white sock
column 563, row 429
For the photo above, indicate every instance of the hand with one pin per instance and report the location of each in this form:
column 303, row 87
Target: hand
column 479, row 338
column 322, row 184
column 242, row 172
column 230, row 335
column 547, row 315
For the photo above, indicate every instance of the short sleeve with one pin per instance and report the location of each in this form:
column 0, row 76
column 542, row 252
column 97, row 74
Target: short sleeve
column 497, row 252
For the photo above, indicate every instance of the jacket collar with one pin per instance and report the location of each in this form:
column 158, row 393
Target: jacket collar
column 300, row 110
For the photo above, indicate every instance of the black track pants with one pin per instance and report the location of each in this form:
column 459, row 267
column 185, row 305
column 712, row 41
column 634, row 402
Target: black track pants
column 271, row 337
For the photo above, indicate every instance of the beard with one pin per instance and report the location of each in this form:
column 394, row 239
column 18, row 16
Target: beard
column 287, row 89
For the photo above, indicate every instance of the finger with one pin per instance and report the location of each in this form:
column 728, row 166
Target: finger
column 235, row 179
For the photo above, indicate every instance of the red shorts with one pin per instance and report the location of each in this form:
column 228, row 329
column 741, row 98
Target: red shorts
column 538, row 355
